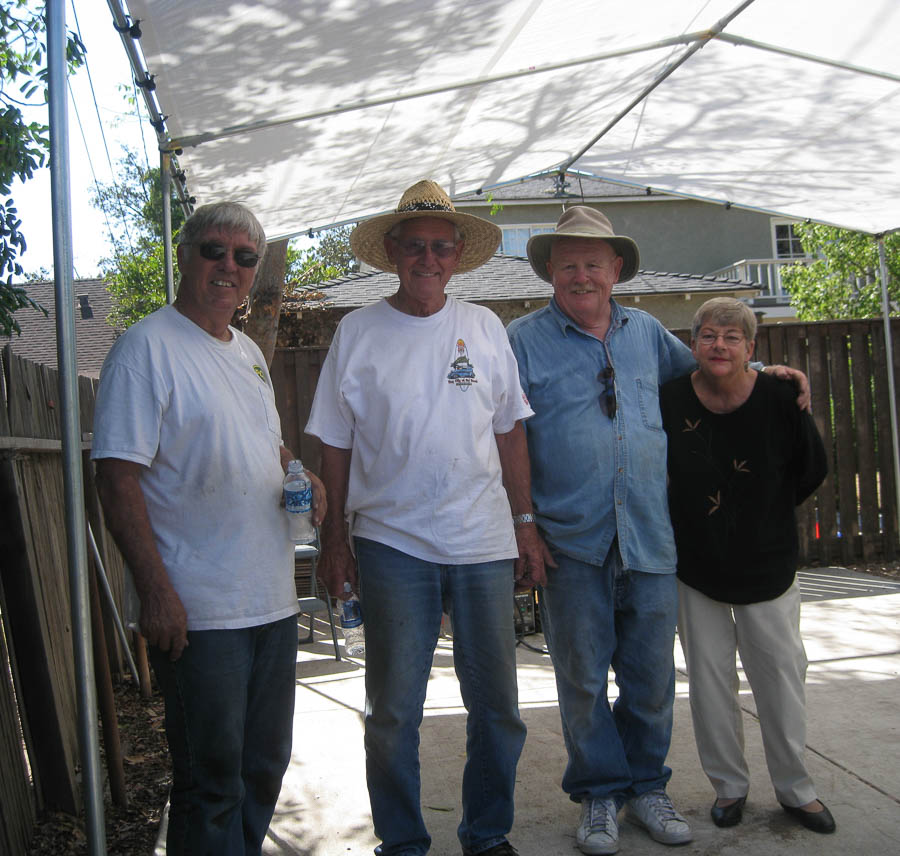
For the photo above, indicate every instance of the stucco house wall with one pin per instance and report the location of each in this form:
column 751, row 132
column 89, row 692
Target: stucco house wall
column 674, row 235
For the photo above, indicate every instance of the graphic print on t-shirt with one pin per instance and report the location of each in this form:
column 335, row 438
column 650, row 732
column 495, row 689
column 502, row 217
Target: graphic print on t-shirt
column 462, row 371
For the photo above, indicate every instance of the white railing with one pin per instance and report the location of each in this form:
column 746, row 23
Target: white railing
column 765, row 272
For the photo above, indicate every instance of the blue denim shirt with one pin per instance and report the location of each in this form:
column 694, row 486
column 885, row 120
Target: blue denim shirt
column 592, row 476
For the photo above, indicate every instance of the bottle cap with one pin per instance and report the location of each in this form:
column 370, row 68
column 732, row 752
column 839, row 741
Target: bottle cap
column 295, row 466
column 347, row 586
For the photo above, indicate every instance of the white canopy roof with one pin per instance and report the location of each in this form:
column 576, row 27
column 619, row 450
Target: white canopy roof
column 335, row 106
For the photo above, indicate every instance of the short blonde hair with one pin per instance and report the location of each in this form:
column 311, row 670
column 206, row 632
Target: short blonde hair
column 725, row 312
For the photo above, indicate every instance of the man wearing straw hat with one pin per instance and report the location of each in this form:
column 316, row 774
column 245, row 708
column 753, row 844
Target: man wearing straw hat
column 424, row 458
column 592, row 370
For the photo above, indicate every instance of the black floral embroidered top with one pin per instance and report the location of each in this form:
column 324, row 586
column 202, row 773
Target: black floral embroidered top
column 734, row 481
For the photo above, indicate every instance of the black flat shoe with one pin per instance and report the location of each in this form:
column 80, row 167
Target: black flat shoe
column 817, row 821
column 728, row 815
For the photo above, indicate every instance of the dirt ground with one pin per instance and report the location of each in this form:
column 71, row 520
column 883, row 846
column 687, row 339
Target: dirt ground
column 132, row 831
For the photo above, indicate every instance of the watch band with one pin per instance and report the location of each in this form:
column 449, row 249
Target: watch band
column 522, row 519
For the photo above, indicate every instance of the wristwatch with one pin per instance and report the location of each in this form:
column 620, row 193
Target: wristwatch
column 522, row 519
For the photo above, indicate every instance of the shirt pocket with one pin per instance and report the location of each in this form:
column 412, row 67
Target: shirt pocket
column 648, row 402
column 271, row 414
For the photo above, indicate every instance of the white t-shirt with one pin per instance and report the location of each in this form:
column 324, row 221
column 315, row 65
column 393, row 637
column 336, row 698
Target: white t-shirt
column 200, row 414
column 419, row 401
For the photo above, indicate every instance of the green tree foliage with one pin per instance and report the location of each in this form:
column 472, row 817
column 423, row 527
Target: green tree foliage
column 330, row 258
column 137, row 282
column 135, row 273
column 23, row 84
column 843, row 281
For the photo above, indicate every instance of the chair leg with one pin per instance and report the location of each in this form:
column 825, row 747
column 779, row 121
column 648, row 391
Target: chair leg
column 337, row 650
column 309, row 637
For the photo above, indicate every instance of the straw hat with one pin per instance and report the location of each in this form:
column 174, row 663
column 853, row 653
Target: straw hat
column 426, row 199
column 579, row 221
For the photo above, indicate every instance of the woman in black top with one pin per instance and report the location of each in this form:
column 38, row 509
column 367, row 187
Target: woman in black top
column 741, row 456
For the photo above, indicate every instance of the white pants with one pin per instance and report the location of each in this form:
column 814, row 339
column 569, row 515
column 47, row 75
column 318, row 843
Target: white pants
column 767, row 635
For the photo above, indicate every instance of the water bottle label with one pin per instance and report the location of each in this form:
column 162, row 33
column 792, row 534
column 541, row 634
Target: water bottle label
column 298, row 501
column 351, row 614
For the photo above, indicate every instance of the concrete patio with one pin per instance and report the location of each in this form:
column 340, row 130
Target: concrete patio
column 851, row 627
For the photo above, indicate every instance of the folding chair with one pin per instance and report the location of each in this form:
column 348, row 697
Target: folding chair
column 309, row 553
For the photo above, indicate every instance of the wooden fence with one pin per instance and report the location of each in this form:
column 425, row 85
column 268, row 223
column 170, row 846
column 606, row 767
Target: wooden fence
column 852, row 518
column 39, row 754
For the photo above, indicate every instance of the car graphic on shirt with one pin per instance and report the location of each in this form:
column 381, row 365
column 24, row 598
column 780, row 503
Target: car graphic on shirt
column 461, row 369
column 462, row 372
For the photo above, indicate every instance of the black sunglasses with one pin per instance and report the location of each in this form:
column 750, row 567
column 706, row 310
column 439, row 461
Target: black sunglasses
column 413, row 247
column 214, row 252
column 608, row 399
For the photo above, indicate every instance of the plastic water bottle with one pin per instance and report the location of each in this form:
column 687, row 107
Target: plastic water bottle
column 298, row 504
column 352, row 624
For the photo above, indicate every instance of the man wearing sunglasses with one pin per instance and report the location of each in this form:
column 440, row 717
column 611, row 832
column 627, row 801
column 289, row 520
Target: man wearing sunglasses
column 189, row 470
column 592, row 370
column 420, row 412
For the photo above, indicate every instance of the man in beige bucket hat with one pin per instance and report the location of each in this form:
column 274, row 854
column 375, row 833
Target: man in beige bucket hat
column 420, row 411
column 592, row 370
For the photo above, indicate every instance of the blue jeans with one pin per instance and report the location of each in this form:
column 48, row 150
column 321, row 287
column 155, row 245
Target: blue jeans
column 597, row 616
column 229, row 715
column 402, row 600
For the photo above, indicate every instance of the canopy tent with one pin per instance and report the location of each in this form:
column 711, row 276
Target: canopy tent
column 320, row 113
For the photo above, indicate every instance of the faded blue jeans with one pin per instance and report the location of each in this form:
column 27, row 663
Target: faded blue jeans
column 593, row 617
column 402, row 600
column 229, row 719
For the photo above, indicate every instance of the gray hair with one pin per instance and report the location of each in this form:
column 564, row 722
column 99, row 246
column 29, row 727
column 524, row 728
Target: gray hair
column 725, row 312
column 226, row 216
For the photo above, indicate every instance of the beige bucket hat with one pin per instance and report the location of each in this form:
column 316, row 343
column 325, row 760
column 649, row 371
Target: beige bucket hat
column 426, row 199
column 579, row 221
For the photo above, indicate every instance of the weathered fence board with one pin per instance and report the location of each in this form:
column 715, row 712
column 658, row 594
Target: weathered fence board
column 5, row 354
column 295, row 373
column 36, row 590
column 861, row 374
column 885, row 484
column 16, row 801
column 826, row 503
column 844, row 447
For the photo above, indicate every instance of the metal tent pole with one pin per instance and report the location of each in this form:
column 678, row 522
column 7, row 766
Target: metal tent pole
column 165, row 177
column 889, row 353
column 76, row 546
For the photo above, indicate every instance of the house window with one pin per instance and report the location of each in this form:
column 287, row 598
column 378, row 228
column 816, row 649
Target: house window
column 787, row 243
column 515, row 238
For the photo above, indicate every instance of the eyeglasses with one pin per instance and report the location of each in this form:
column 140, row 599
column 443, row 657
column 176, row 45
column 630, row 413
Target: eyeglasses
column 413, row 247
column 608, row 378
column 732, row 340
column 214, row 252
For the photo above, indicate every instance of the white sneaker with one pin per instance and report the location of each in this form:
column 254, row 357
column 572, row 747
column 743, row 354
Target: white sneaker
column 598, row 832
column 655, row 813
